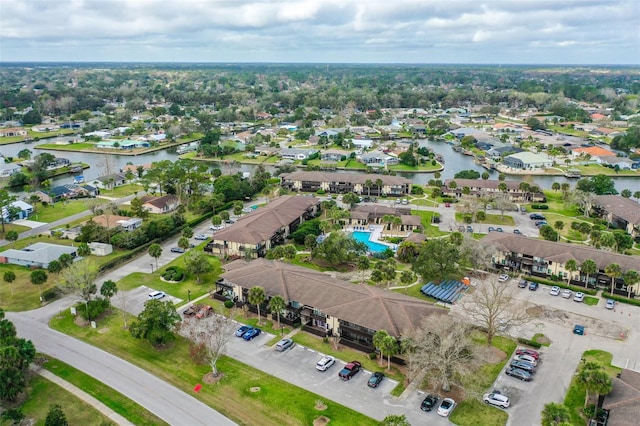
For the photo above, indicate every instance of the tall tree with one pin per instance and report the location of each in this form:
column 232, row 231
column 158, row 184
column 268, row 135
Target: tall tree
column 197, row 264
column 492, row 305
column 444, row 350
column 555, row 414
column 79, row 279
column 277, row 305
column 571, row 266
column 39, row 277
column 155, row 251
column 5, row 201
column 156, row 323
column 256, row 297
column 83, row 250
column 108, row 289
column 437, row 258
column 9, row 277
column 211, row 333
column 588, row 268
column 614, row 271
column 386, row 344
column 630, row 278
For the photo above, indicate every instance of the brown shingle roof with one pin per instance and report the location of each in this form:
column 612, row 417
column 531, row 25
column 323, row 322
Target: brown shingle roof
column 261, row 224
column 367, row 306
column 159, row 202
column 559, row 252
column 416, row 237
column 624, row 208
column 109, row 221
column 354, row 178
column 624, row 400
column 411, row 220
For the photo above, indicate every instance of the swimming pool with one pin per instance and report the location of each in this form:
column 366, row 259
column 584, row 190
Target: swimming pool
column 363, row 237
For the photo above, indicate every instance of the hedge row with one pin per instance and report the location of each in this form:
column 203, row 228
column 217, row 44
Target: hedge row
column 621, row 299
column 540, row 206
column 528, row 342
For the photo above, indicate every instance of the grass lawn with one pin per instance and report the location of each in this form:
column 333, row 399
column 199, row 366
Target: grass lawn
column 423, row 202
column 428, row 167
column 574, row 399
column 180, row 290
column 43, row 393
column 21, row 295
column 69, row 147
column 122, row 191
column 426, row 218
column 57, row 211
column 415, row 292
column 591, row 301
column 557, row 205
column 111, row 398
column 13, row 227
column 474, row 413
column 276, row 402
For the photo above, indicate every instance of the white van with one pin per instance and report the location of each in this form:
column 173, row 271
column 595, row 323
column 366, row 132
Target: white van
column 157, row 295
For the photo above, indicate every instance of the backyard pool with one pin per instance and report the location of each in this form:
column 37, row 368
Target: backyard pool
column 363, row 237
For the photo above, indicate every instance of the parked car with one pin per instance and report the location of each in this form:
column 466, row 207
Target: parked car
column 523, row 366
column 325, row 363
column 177, row 250
column 155, row 295
column 537, row 216
column 284, row 344
column 250, row 334
column 533, row 286
column 469, row 228
column 191, row 311
column 522, row 283
column 519, row 374
column 240, row 332
column 517, row 231
column 527, row 351
column 216, row 227
column 446, row 407
column 610, row 304
column 498, row 229
column 496, row 399
column 350, row 370
column 375, row 379
column 526, row 358
column 429, row 402
column 200, row 237
column 555, row 290
column 491, row 229
column 566, row 293
column 578, row 329
column 579, row 297
column 447, row 204
column 503, row 278
column 541, row 223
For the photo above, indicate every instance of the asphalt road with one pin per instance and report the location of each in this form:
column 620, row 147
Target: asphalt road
column 164, row 400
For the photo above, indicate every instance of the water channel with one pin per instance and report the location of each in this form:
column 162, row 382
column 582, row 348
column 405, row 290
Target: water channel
column 454, row 162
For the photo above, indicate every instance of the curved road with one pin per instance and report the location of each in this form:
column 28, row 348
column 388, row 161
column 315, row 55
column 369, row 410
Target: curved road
column 159, row 397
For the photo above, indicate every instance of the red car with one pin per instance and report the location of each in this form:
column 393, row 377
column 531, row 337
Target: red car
column 447, row 205
column 530, row 352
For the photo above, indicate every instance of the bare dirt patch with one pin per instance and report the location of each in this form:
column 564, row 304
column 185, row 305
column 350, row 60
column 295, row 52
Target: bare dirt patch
column 489, row 354
column 321, row 421
column 255, row 389
column 594, row 326
column 210, row 379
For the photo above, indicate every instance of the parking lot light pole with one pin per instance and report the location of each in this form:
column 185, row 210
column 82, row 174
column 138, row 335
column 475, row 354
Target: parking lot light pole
column 189, row 295
column 152, row 268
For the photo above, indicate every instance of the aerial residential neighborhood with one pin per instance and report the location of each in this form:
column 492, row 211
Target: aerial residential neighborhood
column 263, row 251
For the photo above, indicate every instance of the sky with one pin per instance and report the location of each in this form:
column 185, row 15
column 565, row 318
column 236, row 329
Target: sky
column 595, row 32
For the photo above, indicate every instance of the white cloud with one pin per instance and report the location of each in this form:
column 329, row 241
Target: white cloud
column 523, row 31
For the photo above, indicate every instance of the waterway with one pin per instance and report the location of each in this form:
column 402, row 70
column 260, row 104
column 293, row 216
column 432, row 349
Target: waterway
column 454, row 162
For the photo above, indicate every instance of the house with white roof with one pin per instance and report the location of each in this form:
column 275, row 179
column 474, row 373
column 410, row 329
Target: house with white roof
column 37, row 255
column 527, row 161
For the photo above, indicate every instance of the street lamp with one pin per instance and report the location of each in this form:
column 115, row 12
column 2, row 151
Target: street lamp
column 152, row 268
column 189, row 295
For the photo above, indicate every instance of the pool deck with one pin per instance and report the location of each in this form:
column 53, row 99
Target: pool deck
column 376, row 233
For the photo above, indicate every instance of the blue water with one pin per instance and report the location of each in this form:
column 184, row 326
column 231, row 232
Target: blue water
column 363, row 237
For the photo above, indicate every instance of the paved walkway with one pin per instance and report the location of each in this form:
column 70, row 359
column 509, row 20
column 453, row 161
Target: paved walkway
column 79, row 393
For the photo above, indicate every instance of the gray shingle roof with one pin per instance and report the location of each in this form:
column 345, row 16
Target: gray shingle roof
column 624, row 208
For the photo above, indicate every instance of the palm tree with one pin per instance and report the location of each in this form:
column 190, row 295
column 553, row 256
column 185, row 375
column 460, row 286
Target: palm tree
column 277, row 304
column 555, row 414
column 555, row 186
column 571, row 266
column 614, row 271
column 256, row 297
column 368, row 184
column 588, row 267
column 630, row 278
column 379, row 185
column 558, row 225
column 155, row 251
column 363, row 264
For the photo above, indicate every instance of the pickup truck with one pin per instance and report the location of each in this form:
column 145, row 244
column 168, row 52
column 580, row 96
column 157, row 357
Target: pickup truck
column 349, row 370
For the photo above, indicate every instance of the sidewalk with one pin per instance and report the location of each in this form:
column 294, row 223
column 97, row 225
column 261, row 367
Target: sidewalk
column 79, row 393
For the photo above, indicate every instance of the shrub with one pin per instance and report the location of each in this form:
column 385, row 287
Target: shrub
column 528, row 342
column 621, row 299
column 50, row 294
column 228, row 304
column 373, row 355
column 540, row 206
column 96, row 308
column 320, row 192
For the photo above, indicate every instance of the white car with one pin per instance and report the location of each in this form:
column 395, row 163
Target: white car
column 216, row 227
column 526, row 358
column 325, row 363
column 503, row 278
column 247, row 210
column 157, row 295
column 566, row 293
column 200, row 237
column 497, row 399
column 446, row 407
column 610, row 304
column 555, row 290
column 579, row 297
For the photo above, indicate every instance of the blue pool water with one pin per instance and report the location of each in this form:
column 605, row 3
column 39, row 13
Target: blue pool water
column 363, row 237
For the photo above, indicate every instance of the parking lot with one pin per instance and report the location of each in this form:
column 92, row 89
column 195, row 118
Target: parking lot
column 297, row 366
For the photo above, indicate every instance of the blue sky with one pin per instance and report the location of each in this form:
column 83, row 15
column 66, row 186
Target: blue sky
column 363, row 31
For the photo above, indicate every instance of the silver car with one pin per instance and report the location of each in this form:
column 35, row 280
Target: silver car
column 325, row 363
